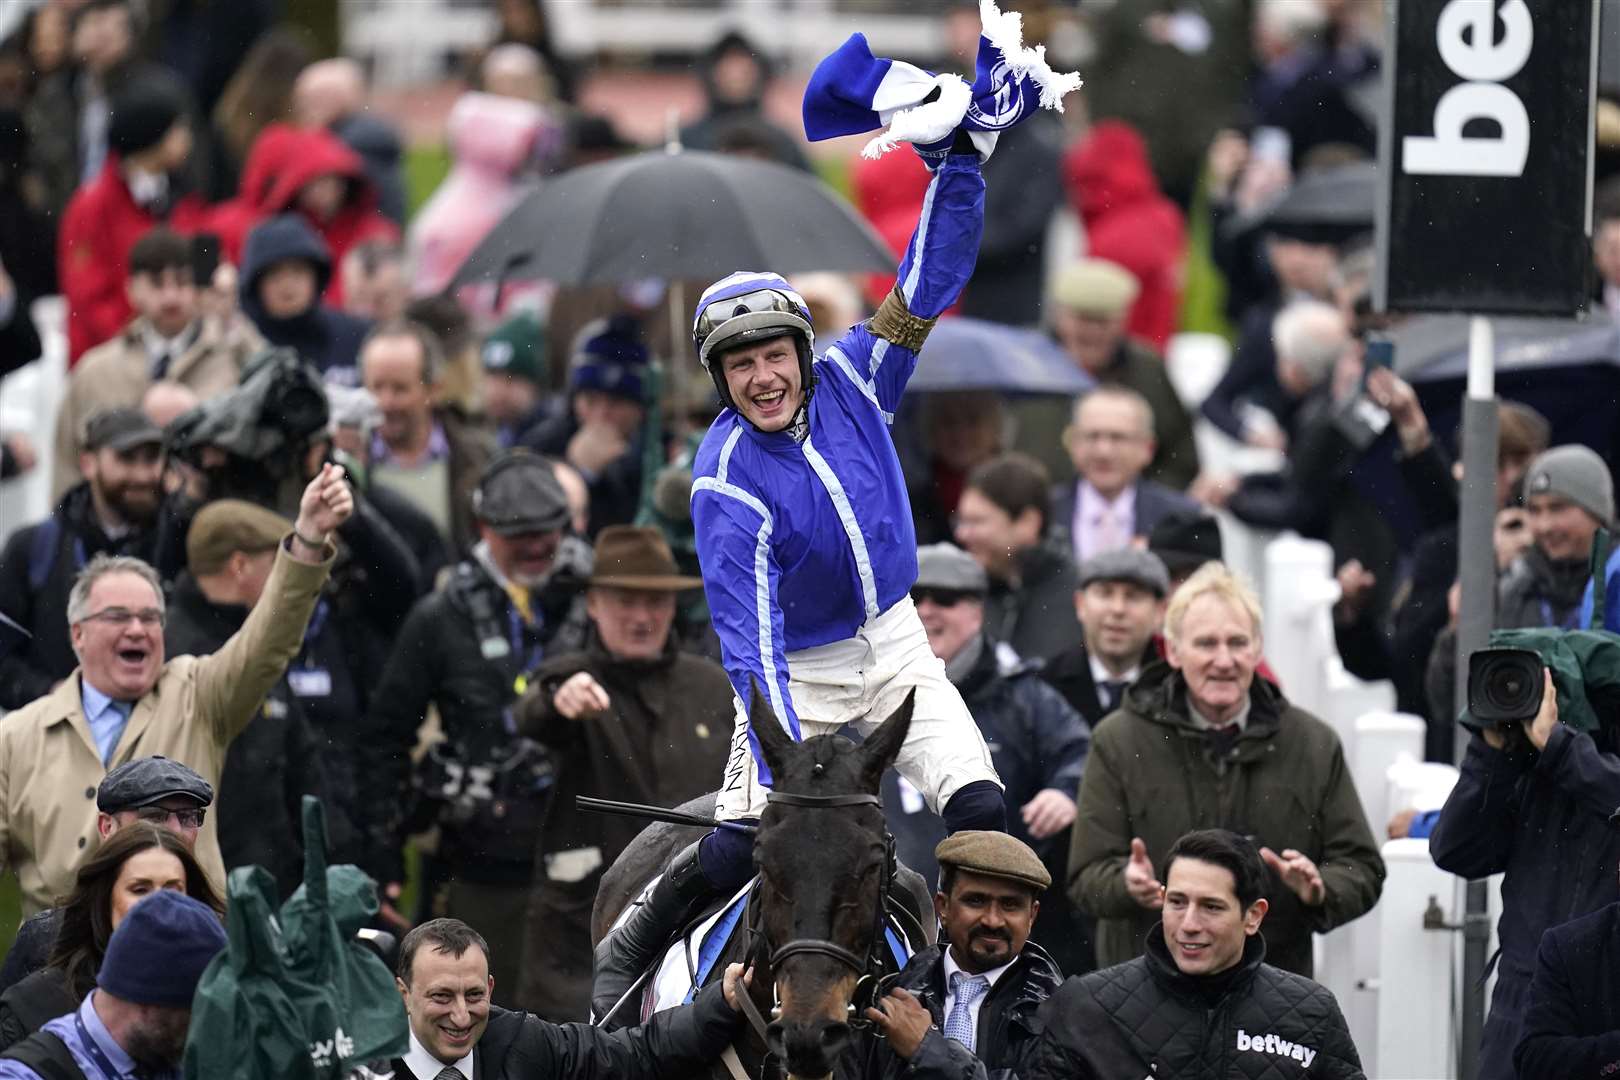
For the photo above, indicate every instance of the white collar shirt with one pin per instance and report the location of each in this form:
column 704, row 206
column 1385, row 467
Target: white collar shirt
column 974, row 1006
column 424, row 1066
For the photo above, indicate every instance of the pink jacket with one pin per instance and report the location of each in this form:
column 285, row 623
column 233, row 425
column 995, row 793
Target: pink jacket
column 492, row 142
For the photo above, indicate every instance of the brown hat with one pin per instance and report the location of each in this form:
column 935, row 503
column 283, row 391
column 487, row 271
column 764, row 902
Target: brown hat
column 230, row 525
column 635, row 557
column 993, row 854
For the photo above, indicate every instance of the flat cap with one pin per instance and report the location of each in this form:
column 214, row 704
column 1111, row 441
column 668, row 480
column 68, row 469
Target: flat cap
column 148, row 780
column 1128, row 564
column 948, row 567
column 993, row 854
column 518, row 493
column 1186, row 541
column 1095, row 287
column 226, row 526
column 121, row 429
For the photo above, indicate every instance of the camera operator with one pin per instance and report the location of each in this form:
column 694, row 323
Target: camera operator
column 471, row 649
column 258, row 443
column 1532, row 803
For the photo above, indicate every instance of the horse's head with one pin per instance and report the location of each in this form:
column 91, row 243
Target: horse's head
column 823, row 867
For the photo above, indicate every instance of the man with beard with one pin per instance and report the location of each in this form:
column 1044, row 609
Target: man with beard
column 976, row 993
column 471, row 649
column 135, row 1022
column 114, row 511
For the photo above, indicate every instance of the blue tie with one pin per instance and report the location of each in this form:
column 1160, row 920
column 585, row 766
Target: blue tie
column 966, row 989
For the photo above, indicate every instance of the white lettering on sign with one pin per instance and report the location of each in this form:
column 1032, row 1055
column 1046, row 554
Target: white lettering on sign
column 1466, row 34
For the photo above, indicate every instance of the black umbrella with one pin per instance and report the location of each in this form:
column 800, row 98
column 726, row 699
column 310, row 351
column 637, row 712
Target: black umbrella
column 679, row 215
column 1337, row 198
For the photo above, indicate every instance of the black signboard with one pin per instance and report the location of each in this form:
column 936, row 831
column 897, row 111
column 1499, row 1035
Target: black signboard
column 1486, row 161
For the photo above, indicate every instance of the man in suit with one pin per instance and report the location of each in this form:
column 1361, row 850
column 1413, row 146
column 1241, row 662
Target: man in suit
column 456, row 1034
column 1111, row 442
column 1120, row 602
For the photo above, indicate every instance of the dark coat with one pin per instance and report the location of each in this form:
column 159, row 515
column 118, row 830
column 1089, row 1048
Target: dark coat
column 615, row 491
column 1154, row 774
column 1572, row 1024
column 1036, row 617
column 677, row 1042
column 27, row 1006
column 1145, row 1018
column 270, row 767
column 418, row 532
column 1152, row 504
column 1252, row 376
column 1009, row 1023
column 31, row 949
column 438, row 659
column 1023, row 187
column 323, row 336
column 1541, row 820
column 1069, row 673
column 37, row 569
column 664, row 740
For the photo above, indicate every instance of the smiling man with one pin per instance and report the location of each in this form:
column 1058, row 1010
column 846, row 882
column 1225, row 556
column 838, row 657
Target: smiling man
column 977, row 991
column 629, row 716
column 805, row 536
column 457, row 1034
column 1203, row 992
column 1200, row 743
column 1120, row 602
column 127, row 699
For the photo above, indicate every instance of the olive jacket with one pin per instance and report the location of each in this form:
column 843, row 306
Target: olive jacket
column 1154, row 773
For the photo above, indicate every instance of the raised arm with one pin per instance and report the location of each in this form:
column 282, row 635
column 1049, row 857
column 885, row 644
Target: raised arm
column 881, row 353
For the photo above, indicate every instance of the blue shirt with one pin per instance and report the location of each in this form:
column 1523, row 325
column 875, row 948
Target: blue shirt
column 89, row 1060
column 803, row 542
column 105, row 716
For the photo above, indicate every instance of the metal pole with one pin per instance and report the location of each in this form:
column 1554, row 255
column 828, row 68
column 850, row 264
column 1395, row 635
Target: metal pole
column 1476, row 560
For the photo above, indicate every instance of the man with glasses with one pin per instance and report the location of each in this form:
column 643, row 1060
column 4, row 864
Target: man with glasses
column 127, row 700
column 151, row 789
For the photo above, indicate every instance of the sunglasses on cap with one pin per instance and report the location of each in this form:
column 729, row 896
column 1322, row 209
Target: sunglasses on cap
column 941, row 597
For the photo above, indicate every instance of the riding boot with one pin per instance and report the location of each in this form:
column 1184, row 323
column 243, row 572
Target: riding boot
column 623, row 955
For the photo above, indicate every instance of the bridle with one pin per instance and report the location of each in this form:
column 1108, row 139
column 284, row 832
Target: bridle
column 870, row 977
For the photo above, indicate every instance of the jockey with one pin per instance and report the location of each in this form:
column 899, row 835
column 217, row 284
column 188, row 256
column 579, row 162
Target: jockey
column 805, row 537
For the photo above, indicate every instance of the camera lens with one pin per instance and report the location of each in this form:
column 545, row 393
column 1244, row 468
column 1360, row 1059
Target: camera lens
column 1504, row 685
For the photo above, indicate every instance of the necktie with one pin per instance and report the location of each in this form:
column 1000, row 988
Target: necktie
column 1222, row 738
column 449, row 1072
column 1106, row 531
column 968, row 989
column 1113, row 693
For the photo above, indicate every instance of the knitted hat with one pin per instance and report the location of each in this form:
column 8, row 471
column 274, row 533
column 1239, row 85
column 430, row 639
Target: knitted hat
column 609, row 356
column 142, row 110
column 517, row 347
column 1576, row 473
column 158, row 953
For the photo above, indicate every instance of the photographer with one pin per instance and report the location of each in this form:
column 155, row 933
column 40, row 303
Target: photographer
column 471, row 649
column 1533, row 803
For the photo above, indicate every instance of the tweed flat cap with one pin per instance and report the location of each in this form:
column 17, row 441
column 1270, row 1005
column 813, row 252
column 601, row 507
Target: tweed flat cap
column 993, row 854
column 1095, row 287
column 1133, row 565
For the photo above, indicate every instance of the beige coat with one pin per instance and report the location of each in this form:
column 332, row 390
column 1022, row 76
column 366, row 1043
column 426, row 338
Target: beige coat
column 49, row 767
column 116, row 373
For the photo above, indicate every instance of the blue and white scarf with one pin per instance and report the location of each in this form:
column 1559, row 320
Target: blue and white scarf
column 853, row 91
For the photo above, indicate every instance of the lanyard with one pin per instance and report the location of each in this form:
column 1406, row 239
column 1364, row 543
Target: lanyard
column 531, row 656
column 97, row 1055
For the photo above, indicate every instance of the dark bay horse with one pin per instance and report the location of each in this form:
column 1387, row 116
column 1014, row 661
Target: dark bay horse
column 814, row 930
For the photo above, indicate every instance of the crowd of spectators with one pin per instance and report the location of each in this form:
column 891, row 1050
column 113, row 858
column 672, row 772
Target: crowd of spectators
column 326, row 523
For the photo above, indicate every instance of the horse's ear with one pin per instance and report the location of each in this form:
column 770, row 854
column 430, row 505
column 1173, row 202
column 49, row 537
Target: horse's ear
column 774, row 740
column 883, row 745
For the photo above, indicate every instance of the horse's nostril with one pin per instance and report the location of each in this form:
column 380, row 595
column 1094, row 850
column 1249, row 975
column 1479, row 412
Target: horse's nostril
column 774, row 1041
column 834, row 1037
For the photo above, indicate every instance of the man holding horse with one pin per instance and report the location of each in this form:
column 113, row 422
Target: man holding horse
column 977, row 992
column 805, row 538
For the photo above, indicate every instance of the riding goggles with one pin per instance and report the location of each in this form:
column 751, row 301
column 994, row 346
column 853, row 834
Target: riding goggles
column 751, row 316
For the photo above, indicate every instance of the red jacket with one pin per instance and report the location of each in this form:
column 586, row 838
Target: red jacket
column 285, row 158
column 1130, row 222
column 889, row 193
column 99, row 227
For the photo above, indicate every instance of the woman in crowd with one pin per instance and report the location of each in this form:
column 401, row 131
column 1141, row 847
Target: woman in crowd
column 133, row 863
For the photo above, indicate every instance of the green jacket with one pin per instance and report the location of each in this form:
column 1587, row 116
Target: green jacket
column 1152, row 774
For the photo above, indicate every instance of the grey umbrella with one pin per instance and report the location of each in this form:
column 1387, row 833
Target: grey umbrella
column 972, row 354
column 675, row 214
